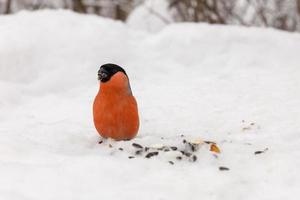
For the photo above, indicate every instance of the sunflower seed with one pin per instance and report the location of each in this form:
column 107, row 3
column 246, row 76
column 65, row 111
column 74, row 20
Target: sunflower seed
column 194, row 158
column 187, row 154
column 137, row 145
column 149, row 155
column 259, row 152
column 193, row 147
column 138, row 152
column 174, row 148
column 178, row 157
column 222, row 168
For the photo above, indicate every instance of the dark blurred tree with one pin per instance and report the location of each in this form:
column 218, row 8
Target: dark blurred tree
column 116, row 9
column 7, row 7
column 197, row 11
column 78, row 6
column 280, row 14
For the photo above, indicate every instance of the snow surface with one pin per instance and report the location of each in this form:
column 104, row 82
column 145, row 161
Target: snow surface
column 150, row 16
column 203, row 81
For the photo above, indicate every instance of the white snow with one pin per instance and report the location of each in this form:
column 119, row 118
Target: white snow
column 203, row 81
column 151, row 16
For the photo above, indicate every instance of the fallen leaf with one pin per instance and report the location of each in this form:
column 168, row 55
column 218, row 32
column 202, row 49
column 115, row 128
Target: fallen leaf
column 214, row 148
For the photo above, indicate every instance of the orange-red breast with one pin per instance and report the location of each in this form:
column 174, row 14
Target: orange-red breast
column 115, row 109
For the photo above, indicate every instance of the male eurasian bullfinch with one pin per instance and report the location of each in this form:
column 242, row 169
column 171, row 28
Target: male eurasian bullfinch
column 115, row 109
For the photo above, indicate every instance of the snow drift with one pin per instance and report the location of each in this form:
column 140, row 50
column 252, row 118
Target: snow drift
column 236, row 86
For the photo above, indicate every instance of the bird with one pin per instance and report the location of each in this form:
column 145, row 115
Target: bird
column 115, row 109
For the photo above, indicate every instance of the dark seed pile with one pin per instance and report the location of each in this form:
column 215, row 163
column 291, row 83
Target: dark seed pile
column 187, row 153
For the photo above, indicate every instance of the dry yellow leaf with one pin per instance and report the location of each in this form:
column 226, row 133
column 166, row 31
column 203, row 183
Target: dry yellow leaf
column 214, row 148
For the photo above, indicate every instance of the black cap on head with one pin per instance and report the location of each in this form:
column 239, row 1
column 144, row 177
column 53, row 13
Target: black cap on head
column 108, row 70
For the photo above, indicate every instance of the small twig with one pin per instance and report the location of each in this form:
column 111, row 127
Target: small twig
column 158, row 15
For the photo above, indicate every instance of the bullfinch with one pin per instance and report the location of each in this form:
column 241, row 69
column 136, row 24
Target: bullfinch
column 115, row 109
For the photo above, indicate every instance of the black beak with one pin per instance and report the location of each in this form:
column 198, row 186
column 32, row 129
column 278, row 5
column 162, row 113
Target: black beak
column 102, row 75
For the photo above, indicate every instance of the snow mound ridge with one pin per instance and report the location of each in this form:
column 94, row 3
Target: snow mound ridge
column 238, row 87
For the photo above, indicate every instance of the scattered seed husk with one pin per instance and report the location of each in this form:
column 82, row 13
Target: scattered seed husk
column 259, row 152
column 197, row 141
column 222, row 168
column 151, row 154
column 193, row 147
column 158, row 147
column 173, row 148
column 178, row 157
column 246, row 128
column 187, row 154
column 209, row 142
column 194, row 158
column 137, row 145
column 138, row 152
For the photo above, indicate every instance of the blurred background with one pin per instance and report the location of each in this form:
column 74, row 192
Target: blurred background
column 279, row 14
